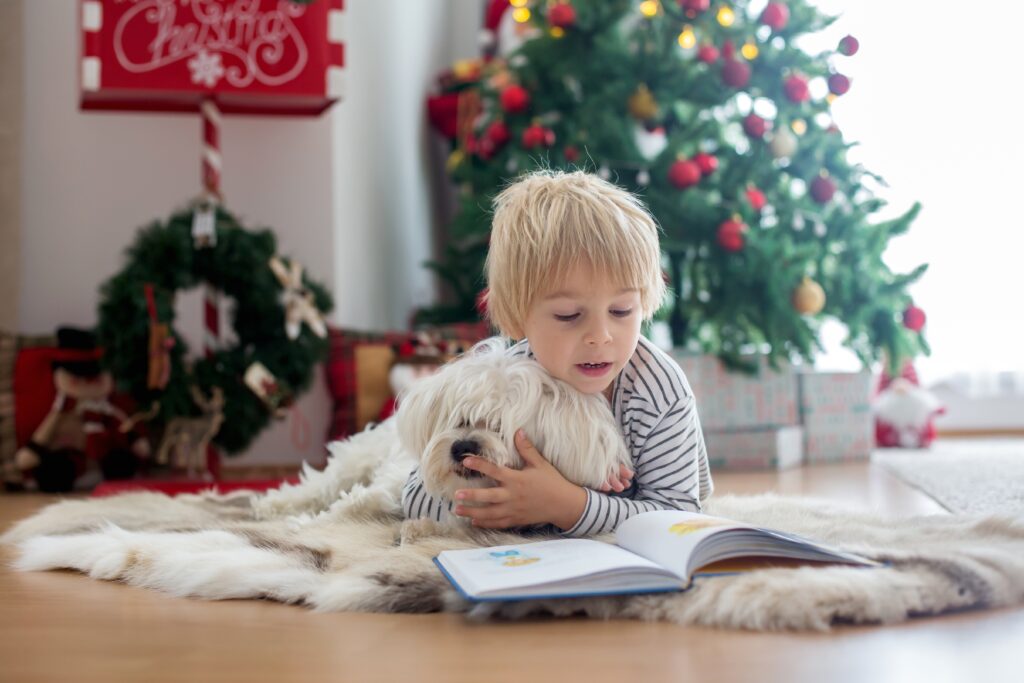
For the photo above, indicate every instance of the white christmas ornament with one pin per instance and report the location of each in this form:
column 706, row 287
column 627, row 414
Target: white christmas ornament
column 783, row 144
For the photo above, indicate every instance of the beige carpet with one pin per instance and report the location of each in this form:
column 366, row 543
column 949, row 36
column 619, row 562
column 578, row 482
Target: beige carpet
column 974, row 476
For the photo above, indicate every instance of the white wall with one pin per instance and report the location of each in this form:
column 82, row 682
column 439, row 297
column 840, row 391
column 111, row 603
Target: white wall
column 348, row 194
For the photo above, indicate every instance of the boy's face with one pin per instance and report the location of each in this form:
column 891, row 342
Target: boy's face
column 585, row 330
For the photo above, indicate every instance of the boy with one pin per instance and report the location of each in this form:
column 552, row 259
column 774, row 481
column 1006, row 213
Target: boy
column 574, row 269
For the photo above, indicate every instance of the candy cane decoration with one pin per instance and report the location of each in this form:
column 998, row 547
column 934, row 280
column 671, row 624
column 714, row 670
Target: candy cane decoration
column 211, row 165
column 211, row 149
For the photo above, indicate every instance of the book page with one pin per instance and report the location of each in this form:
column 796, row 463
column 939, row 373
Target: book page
column 685, row 542
column 669, row 537
column 570, row 561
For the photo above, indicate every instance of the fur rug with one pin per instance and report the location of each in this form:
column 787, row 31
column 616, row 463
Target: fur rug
column 215, row 547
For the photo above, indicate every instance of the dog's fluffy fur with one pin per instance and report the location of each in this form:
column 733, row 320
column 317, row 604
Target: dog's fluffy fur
column 480, row 399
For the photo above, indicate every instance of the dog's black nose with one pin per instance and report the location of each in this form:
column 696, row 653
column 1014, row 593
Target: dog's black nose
column 462, row 448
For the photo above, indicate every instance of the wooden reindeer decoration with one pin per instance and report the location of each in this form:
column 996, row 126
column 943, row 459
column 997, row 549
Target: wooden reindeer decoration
column 187, row 438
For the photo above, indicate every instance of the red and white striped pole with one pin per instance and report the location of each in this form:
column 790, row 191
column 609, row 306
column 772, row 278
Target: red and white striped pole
column 211, row 165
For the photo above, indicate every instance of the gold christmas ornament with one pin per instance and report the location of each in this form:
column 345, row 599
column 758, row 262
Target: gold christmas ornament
column 687, row 38
column 649, row 8
column 808, row 297
column 642, row 105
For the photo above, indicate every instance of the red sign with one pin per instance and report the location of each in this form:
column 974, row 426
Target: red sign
column 249, row 56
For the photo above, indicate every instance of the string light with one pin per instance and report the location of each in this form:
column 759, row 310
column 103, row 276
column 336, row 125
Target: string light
column 749, row 50
column 649, row 8
column 518, row 3
column 687, row 39
column 556, row 31
column 521, row 14
column 799, row 126
column 726, row 16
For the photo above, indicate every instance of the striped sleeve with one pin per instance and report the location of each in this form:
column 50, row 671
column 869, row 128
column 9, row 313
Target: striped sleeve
column 670, row 474
column 417, row 503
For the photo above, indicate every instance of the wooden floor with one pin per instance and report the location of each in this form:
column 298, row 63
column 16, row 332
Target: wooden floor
column 65, row 627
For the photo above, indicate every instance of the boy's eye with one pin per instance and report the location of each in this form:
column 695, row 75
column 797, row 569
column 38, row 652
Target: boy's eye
column 566, row 318
column 622, row 313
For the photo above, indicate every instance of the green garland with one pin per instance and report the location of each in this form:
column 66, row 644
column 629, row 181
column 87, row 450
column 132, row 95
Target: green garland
column 163, row 255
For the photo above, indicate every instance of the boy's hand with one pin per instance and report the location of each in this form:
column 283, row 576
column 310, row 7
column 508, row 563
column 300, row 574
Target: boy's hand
column 536, row 494
column 620, row 482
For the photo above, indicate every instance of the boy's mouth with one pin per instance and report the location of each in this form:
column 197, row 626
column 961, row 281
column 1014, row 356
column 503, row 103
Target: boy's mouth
column 593, row 369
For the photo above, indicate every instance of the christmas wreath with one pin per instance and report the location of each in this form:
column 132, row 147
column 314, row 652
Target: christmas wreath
column 276, row 318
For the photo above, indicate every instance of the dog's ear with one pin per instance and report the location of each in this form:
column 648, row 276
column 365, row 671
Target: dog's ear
column 417, row 412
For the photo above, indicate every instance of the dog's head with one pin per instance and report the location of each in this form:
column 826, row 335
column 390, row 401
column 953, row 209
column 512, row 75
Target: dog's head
column 475, row 404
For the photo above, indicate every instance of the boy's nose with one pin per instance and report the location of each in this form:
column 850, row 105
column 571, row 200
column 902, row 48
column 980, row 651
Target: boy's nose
column 598, row 335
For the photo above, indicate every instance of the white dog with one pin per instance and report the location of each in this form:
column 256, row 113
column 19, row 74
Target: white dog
column 472, row 405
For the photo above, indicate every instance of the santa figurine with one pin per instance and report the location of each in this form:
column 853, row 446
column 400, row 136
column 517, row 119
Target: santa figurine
column 905, row 412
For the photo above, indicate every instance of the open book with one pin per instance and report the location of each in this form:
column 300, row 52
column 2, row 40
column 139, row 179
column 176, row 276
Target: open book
column 654, row 552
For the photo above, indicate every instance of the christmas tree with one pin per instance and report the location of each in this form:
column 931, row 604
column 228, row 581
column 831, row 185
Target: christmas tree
column 713, row 114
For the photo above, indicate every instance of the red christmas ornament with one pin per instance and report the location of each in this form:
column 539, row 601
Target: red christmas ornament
column 571, row 153
column 695, row 7
column 515, row 99
column 796, row 89
column 735, row 73
column 486, row 148
column 838, row 84
column 683, row 174
column 537, row 135
column 707, row 163
column 562, row 15
column 730, row 235
column 775, row 15
column 498, row 133
column 822, row 189
column 914, row 318
column 849, row 46
column 707, row 54
column 755, row 126
column 756, row 198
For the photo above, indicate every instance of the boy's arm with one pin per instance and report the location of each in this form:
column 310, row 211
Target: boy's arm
column 668, row 474
column 417, row 503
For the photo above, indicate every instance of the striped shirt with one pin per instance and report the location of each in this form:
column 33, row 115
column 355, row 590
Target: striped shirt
column 656, row 409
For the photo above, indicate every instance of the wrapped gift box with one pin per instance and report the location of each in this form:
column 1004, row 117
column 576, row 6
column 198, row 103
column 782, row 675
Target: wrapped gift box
column 729, row 401
column 760, row 449
column 835, row 409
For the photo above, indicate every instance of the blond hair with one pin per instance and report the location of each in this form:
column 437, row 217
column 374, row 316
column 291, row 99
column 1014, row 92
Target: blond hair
column 548, row 222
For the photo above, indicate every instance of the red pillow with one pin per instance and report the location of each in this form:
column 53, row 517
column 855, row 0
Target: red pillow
column 341, row 374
